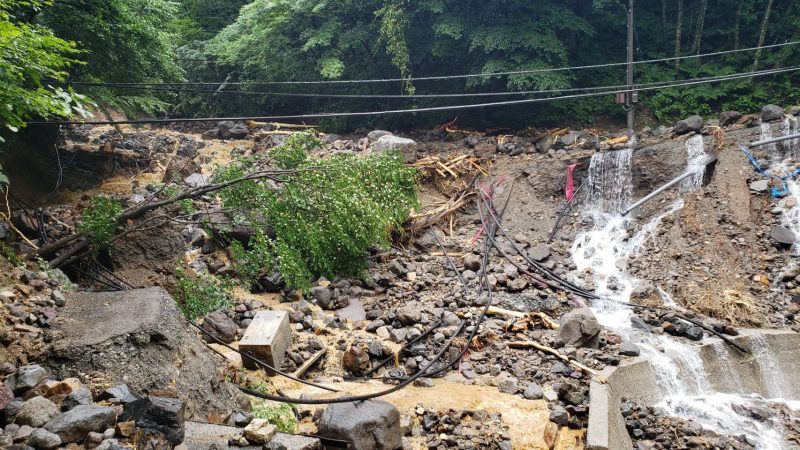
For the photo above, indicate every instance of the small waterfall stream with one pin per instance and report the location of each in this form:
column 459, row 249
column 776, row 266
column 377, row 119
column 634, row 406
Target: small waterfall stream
column 603, row 252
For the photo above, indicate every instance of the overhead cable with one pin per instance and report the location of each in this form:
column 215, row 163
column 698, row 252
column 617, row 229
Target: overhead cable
column 690, row 82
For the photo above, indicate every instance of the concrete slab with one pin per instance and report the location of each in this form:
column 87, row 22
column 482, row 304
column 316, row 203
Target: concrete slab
column 204, row 436
column 267, row 338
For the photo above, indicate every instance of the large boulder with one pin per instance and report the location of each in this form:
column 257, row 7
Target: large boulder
column 782, row 235
column 689, row 124
column 75, row 424
column 770, row 113
column 391, row 142
column 729, row 117
column 579, row 328
column 140, row 338
column 160, row 415
column 219, row 325
column 36, row 412
column 25, row 378
column 368, row 425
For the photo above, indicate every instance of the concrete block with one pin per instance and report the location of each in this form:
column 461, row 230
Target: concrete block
column 267, row 338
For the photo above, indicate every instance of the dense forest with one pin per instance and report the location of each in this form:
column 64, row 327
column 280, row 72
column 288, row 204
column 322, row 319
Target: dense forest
column 59, row 57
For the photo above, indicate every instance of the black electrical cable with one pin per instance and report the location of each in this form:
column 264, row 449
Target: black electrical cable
column 160, row 87
column 753, row 74
column 262, row 363
column 357, row 398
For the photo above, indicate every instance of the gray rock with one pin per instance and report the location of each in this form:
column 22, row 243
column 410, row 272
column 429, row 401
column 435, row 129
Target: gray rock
column 759, row 185
column 75, row 424
column 234, row 131
column 409, row 314
column 322, row 295
column 629, row 349
column 369, row 425
column 377, row 134
column 58, row 298
column 533, row 392
column 391, row 142
column 120, row 392
column 6, row 396
column 782, row 235
column 559, row 415
column 539, row 253
column 36, row 412
column 26, row 377
column 729, row 117
column 196, row 180
column 508, row 385
column 472, row 262
column 579, row 328
column 211, row 134
column 689, row 124
column 694, row 333
column 220, row 326
column 293, row 442
column 771, row 112
column 428, row 238
column 80, row 396
column 42, row 439
column 164, row 415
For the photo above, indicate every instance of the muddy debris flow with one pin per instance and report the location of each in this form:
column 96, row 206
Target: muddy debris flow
column 524, row 327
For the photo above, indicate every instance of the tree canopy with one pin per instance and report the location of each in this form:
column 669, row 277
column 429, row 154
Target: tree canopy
column 240, row 41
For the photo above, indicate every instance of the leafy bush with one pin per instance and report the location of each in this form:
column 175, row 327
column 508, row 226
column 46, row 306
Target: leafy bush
column 324, row 218
column 202, row 294
column 99, row 221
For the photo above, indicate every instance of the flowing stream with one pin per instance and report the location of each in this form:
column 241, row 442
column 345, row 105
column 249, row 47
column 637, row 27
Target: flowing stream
column 604, row 251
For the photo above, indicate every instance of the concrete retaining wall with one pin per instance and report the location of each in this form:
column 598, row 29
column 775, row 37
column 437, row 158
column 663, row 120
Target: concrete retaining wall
column 728, row 371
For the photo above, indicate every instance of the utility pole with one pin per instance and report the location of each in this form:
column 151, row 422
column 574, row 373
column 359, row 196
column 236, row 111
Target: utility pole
column 629, row 97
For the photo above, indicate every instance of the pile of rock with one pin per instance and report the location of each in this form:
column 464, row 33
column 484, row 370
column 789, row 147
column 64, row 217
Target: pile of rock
column 40, row 412
column 460, row 429
column 649, row 428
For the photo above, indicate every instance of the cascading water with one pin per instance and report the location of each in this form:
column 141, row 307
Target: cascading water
column 603, row 252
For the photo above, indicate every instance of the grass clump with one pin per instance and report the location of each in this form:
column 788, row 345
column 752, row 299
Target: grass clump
column 203, row 293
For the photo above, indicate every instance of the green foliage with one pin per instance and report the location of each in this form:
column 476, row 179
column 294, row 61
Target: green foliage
column 123, row 41
column 203, row 293
column 321, row 221
column 280, row 415
column 99, row 221
column 30, row 57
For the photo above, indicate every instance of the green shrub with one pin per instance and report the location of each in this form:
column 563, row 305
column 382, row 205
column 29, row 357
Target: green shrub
column 324, row 218
column 280, row 415
column 203, row 293
column 99, row 221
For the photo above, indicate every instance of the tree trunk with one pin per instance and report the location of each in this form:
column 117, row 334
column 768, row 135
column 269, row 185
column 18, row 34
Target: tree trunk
column 701, row 19
column 678, row 27
column 737, row 29
column 762, row 37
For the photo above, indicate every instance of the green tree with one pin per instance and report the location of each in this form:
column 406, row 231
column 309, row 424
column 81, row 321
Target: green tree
column 124, row 41
column 31, row 57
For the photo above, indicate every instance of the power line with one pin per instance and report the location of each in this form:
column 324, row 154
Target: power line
column 383, row 96
column 690, row 82
column 476, row 75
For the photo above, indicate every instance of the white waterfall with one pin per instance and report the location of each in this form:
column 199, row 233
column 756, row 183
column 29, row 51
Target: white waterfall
column 603, row 253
